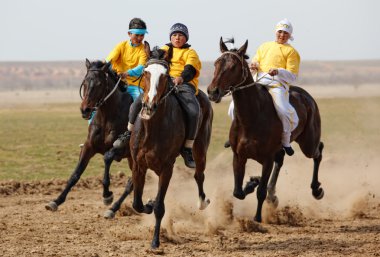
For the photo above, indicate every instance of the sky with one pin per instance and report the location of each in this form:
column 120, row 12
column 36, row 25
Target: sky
column 52, row 30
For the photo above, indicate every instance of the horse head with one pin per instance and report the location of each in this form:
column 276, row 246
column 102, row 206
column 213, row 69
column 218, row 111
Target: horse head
column 95, row 87
column 231, row 71
column 157, row 80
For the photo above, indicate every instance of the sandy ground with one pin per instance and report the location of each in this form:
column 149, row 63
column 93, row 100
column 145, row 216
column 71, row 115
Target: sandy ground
column 346, row 222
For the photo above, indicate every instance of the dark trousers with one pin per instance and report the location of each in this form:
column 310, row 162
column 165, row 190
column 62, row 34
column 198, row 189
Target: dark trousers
column 188, row 102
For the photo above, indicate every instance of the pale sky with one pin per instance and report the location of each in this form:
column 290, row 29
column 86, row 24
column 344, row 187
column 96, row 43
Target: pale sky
column 52, row 30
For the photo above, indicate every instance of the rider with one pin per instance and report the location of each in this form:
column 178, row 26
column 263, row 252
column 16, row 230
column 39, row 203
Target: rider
column 277, row 64
column 128, row 59
column 184, row 70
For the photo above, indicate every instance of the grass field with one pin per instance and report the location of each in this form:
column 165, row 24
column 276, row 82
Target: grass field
column 41, row 141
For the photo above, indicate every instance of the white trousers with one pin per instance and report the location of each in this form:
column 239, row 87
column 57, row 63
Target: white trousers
column 284, row 109
column 285, row 112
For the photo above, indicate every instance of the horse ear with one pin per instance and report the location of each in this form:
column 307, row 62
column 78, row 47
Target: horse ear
column 223, row 47
column 169, row 54
column 243, row 49
column 106, row 66
column 147, row 49
column 88, row 63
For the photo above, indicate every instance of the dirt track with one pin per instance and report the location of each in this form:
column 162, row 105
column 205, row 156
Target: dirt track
column 224, row 229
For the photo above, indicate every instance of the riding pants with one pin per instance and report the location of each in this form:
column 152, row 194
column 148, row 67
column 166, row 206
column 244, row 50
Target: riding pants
column 285, row 111
column 189, row 103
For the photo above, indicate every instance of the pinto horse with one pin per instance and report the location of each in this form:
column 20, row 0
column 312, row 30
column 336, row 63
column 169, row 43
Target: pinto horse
column 100, row 93
column 159, row 135
column 256, row 131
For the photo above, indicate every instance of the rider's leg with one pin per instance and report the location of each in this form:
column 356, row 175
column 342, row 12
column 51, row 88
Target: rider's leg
column 286, row 113
column 189, row 103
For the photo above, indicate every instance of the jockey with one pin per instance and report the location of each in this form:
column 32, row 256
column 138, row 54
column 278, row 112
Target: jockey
column 277, row 64
column 128, row 59
column 184, row 70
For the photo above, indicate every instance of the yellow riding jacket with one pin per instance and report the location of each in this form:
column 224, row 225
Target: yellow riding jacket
column 182, row 57
column 275, row 55
column 125, row 57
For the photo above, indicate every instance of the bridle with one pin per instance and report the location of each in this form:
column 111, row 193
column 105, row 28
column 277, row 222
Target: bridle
column 238, row 86
column 104, row 99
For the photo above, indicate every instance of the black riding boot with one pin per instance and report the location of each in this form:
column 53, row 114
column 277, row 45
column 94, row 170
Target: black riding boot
column 288, row 150
column 123, row 140
column 187, row 154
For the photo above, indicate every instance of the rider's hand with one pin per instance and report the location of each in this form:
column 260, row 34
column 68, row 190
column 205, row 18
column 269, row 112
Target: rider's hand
column 273, row 72
column 178, row 81
column 123, row 75
column 254, row 66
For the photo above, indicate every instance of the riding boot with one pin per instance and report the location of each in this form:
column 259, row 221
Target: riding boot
column 187, row 154
column 288, row 150
column 123, row 140
column 227, row 144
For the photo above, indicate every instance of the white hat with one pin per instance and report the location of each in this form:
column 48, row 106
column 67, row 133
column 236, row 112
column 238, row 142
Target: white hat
column 285, row 25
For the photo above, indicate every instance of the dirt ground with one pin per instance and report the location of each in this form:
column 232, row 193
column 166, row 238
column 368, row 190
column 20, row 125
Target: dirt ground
column 346, row 222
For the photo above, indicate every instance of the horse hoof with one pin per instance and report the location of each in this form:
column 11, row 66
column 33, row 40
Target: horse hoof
column 109, row 214
column 108, row 200
column 202, row 204
column 273, row 200
column 319, row 193
column 52, row 206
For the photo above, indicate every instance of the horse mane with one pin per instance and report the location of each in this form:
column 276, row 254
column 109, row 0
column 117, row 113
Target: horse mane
column 157, row 53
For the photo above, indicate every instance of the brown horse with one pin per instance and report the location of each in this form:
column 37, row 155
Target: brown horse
column 100, row 94
column 159, row 135
column 256, row 130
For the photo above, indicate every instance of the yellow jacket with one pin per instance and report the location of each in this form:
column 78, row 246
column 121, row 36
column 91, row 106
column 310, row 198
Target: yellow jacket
column 182, row 57
column 125, row 57
column 275, row 55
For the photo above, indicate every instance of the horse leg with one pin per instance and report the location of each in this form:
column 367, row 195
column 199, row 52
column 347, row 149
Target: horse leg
column 262, row 189
column 317, row 191
column 239, row 172
column 85, row 156
column 109, row 157
column 107, row 194
column 199, row 176
column 109, row 214
column 138, row 177
column 278, row 162
column 159, row 206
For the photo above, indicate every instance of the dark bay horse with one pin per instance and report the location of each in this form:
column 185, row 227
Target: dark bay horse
column 159, row 135
column 100, row 93
column 256, row 130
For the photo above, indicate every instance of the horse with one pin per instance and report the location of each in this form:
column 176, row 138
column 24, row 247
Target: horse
column 159, row 134
column 100, row 94
column 255, row 132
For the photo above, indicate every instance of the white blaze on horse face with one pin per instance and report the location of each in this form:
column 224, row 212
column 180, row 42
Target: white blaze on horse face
column 155, row 70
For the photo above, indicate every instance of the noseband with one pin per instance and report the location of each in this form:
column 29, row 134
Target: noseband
column 104, row 99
